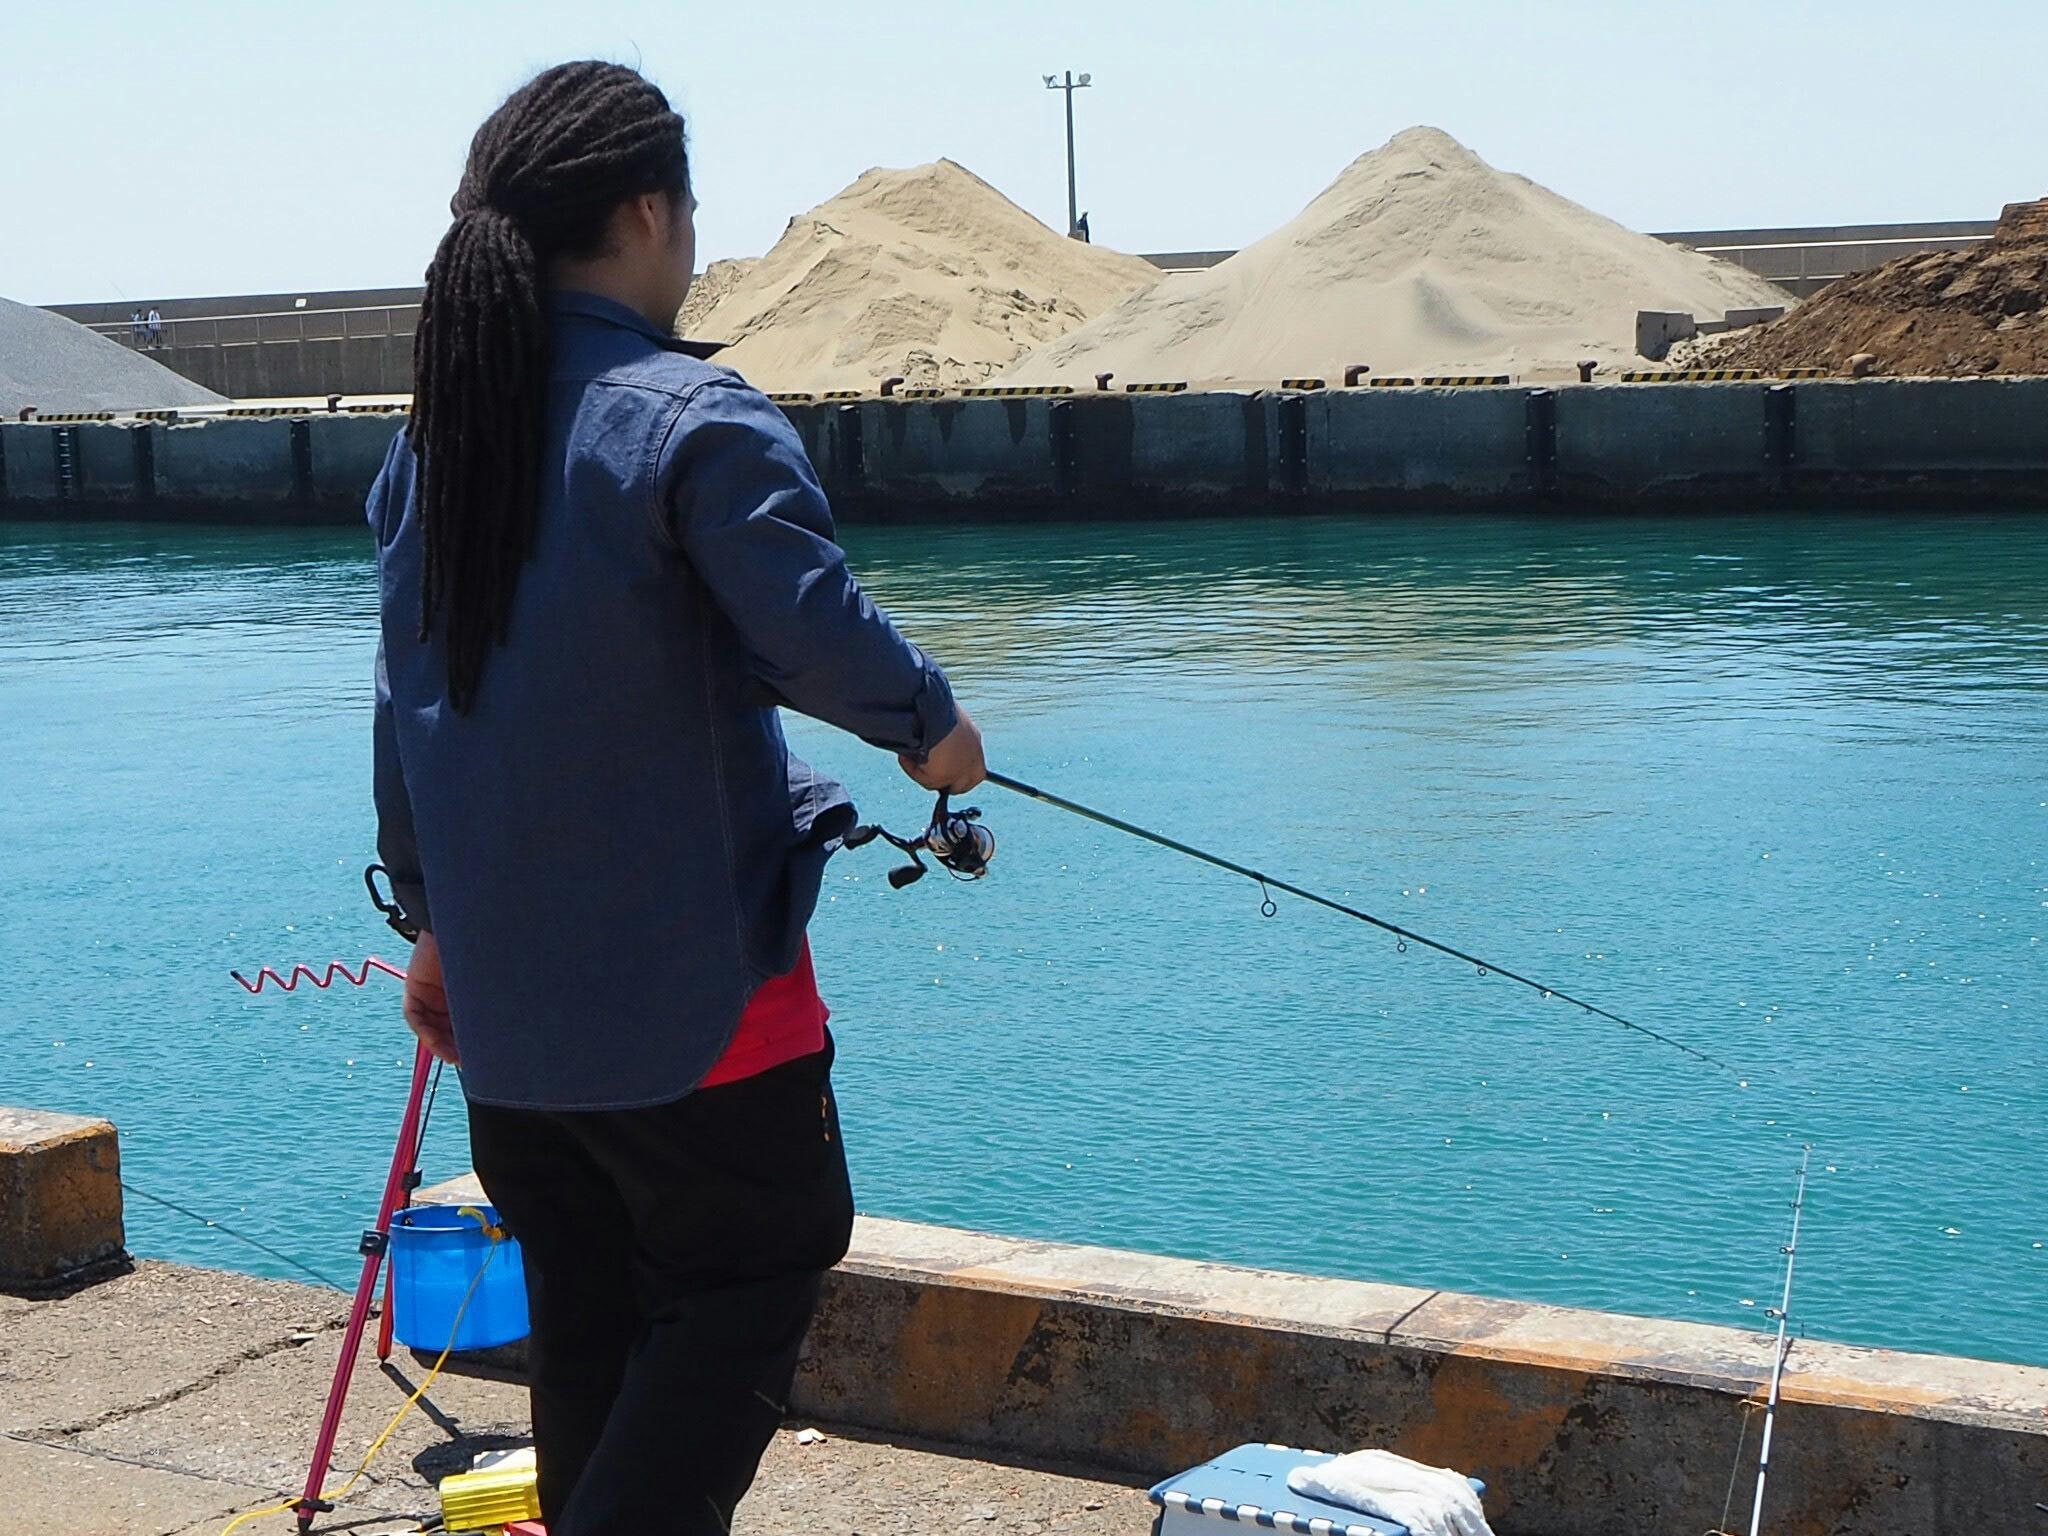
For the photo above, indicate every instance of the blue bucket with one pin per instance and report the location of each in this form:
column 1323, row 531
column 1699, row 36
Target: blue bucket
column 436, row 1251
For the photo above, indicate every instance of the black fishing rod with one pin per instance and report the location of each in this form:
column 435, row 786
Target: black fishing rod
column 964, row 847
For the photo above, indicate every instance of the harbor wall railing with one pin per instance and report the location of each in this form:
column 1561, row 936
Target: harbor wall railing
column 1910, row 442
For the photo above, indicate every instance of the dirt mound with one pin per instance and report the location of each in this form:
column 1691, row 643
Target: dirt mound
column 1420, row 258
column 928, row 273
column 55, row 365
column 1981, row 309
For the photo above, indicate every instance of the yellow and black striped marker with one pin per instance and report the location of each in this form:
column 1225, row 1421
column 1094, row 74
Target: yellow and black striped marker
column 1304, row 383
column 375, row 410
column 1454, row 380
column 1687, row 375
column 60, row 417
column 1156, row 389
column 842, row 394
column 156, row 415
column 792, row 397
column 921, row 393
column 1009, row 391
column 1390, row 380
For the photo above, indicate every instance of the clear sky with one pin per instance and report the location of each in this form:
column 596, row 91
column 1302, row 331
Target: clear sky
column 153, row 150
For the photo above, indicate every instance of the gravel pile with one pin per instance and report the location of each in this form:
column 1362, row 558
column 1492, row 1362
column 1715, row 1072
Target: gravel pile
column 56, row 364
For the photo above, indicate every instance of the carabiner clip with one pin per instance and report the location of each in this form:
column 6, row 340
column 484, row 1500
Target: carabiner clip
column 394, row 914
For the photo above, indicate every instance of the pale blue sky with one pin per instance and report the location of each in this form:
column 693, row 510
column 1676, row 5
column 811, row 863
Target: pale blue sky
column 155, row 150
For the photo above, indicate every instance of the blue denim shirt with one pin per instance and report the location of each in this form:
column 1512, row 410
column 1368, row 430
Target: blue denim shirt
column 613, row 847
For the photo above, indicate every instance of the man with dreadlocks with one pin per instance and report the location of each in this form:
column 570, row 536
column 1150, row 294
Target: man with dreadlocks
column 604, row 562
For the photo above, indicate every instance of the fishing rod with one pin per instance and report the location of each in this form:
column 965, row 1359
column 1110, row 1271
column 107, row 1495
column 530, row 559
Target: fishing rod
column 962, row 846
column 1783, row 1309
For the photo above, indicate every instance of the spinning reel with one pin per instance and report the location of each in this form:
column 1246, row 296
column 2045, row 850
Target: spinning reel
column 956, row 839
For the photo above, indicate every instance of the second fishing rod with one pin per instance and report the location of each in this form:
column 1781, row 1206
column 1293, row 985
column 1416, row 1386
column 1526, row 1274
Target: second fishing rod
column 963, row 846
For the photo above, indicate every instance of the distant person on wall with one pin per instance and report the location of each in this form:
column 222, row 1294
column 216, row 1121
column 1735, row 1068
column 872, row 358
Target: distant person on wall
column 1081, row 230
column 136, row 329
column 604, row 563
column 156, row 329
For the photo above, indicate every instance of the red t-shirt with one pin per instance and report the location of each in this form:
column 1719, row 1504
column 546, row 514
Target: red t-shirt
column 784, row 1019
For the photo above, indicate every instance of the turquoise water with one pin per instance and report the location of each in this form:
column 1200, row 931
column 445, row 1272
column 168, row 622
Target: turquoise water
column 1776, row 786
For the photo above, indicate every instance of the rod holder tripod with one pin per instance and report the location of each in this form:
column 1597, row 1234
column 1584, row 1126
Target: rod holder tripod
column 374, row 1246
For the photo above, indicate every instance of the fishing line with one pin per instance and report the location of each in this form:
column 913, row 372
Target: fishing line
column 241, row 1237
column 946, row 835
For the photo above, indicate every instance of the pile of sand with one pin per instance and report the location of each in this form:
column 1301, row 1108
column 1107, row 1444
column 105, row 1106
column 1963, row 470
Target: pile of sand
column 928, row 273
column 55, row 364
column 1419, row 259
column 1981, row 309
column 708, row 289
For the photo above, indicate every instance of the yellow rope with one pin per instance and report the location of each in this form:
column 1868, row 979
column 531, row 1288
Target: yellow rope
column 335, row 1496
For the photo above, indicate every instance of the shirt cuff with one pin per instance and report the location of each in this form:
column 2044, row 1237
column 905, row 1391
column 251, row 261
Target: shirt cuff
column 934, row 711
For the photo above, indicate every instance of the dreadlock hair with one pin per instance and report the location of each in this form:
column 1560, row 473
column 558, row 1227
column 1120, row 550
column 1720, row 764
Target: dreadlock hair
column 545, row 172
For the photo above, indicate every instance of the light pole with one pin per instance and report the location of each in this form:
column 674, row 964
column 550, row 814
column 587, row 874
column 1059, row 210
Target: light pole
column 1069, row 85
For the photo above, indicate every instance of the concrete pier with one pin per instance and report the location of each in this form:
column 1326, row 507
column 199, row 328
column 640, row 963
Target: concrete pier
column 1921, row 443
column 169, row 1400
column 1032, row 1387
column 1585, row 1422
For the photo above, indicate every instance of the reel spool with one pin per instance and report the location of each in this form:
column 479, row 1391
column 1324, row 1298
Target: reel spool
column 956, row 841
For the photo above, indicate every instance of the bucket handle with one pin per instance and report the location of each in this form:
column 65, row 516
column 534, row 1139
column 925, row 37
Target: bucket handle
column 493, row 1230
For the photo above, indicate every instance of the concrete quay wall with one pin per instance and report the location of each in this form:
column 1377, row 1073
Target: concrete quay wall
column 1588, row 1423
column 267, row 469
column 1907, row 442
column 1579, row 1422
column 1927, row 442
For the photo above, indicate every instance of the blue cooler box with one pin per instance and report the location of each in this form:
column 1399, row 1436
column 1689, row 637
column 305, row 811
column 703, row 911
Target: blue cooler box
column 1248, row 1486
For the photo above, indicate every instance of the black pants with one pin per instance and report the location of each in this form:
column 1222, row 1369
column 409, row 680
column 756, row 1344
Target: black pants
column 673, row 1258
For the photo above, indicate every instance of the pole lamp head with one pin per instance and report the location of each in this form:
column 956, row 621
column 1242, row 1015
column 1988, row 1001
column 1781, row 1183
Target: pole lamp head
column 1081, row 80
column 1052, row 82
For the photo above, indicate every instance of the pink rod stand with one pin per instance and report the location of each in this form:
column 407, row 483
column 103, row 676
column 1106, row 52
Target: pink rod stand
column 397, row 1188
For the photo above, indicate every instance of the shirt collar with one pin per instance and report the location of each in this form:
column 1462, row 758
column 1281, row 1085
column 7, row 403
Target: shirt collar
column 574, row 302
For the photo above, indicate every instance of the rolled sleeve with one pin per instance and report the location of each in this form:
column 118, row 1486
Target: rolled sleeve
column 740, row 499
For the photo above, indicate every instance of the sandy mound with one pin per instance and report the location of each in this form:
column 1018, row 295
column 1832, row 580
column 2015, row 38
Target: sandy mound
column 709, row 289
column 56, row 365
column 1982, row 309
column 1420, row 258
column 929, row 273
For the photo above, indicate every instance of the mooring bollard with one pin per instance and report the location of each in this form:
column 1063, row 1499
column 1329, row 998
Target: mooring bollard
column 60, row 1199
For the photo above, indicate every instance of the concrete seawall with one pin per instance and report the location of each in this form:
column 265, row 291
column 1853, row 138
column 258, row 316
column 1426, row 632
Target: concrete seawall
column 273, row 469
column 1905, row 442
column 1590, row 1423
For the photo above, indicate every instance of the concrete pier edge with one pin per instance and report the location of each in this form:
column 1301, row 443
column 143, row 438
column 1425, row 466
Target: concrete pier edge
column 1580, row 1421
column 1923, row 443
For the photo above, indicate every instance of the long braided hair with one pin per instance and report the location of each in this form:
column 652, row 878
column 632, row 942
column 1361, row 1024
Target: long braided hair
column 545, row 172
